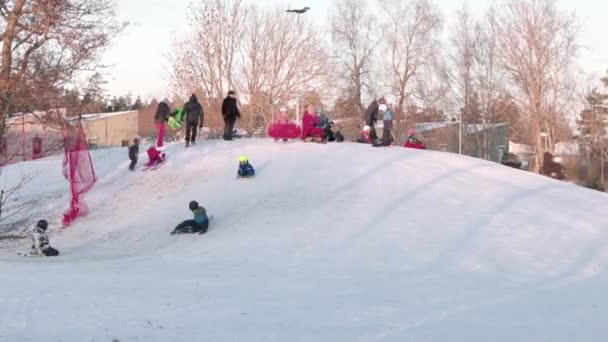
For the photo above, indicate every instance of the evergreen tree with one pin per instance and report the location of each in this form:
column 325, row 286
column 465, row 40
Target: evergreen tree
column 93, row 100
column 138, row 104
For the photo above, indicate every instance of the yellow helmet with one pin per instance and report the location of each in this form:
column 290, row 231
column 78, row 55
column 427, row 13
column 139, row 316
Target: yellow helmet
column 242, row 159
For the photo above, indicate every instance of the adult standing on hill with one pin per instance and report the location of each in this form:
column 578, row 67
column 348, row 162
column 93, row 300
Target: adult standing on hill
column 160, row 118
column 194, row 117
column 371, row 116
column 230, row 112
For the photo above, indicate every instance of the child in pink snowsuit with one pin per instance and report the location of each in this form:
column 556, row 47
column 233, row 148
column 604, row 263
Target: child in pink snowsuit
column 308, row 125
column 155, row 156
column 364, row 137
column 412, row 141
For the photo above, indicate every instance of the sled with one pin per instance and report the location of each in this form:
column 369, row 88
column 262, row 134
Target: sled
column 30, row 255
column 414, row 146
column 284, row 131
column 173, row 123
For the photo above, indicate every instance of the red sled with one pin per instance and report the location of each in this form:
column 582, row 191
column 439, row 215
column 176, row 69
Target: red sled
column 414, row 146
column 284, row 131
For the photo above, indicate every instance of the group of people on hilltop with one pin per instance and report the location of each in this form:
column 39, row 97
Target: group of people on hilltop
column 379, row 110
column 316, row 126
column 192, row 117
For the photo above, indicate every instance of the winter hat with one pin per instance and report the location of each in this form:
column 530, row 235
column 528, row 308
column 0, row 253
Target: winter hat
column 193, row 205
column 165, row 101
column 42, row 224
column 411, row 132
column 383, row 107
column 367, row 128
column 242, row 159
column 319, row 110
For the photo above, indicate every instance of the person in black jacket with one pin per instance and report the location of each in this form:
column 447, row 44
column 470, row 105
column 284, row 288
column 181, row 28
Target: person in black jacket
column 371, row 116
column 134, row 153
column 230, row 112
column 194, row 116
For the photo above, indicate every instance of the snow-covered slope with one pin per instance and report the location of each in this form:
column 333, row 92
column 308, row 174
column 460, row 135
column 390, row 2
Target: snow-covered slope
column 337, row 242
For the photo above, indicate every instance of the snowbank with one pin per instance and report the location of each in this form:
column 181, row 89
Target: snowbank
column 336, row 242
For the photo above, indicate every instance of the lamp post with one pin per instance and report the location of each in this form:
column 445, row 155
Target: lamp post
column 460, row 132
column 298, row 12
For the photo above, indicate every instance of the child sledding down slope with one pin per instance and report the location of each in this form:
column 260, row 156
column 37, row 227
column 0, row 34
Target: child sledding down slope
column 199, row 224
column 245, row 170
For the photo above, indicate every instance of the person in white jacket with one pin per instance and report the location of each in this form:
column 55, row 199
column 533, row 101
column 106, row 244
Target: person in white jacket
column 40, row 241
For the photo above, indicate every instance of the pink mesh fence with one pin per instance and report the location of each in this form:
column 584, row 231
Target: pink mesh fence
column 78, row 170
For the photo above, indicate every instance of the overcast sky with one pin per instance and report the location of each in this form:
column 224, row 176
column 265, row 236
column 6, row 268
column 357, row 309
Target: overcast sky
column 138, row 61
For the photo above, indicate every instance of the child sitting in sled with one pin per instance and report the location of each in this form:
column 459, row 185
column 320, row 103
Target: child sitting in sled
column 40, row 241
column 412, row 141
column 155, row 156
column 364, row 137
column 246, row 170
column 199, row 224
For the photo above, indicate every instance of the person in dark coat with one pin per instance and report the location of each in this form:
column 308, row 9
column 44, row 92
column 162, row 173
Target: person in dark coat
column 551, row 168
column 199, row 224
column 230, row 112
column 339, row 136
column 134, row 154
column 328, row 132
column 194, row 116
column 371, row 116
column 160, row 118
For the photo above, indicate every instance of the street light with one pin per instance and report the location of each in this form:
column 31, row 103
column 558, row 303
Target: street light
column 298, row 12
column 460, row 132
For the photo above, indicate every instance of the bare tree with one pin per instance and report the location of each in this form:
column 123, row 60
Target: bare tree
column 537, row 47
column 56, row 38
column 256, row 51
column 9, row 191
column 411, row 38
column 489, row 79
column 459, row 71
column 355, row 36
column 205, row 60
column 278, row 61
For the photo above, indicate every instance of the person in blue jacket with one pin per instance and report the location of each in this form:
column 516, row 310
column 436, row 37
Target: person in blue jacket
column 199, row 224
column 246, row 170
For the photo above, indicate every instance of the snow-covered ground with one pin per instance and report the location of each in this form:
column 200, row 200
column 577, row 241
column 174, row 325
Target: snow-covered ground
column 336, row 242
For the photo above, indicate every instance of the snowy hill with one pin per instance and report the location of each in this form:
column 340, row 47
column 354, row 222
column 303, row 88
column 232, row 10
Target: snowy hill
column 337, row 242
